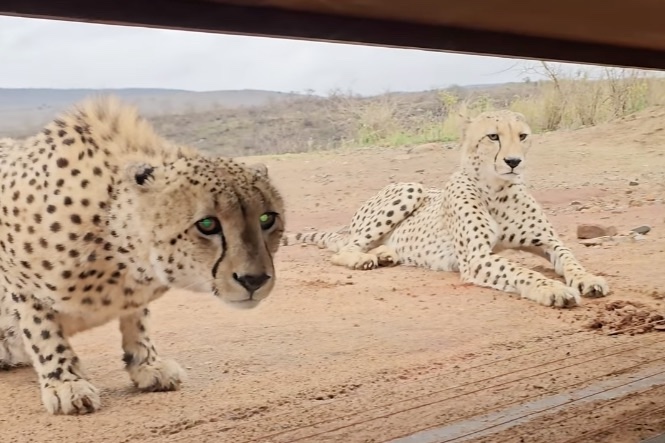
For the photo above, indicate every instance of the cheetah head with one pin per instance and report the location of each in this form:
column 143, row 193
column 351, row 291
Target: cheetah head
column 495, row 144
column 209, row 224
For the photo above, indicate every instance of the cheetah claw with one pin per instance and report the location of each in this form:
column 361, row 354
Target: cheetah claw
column 591, row 286
column 72, row 397
column 554, row 293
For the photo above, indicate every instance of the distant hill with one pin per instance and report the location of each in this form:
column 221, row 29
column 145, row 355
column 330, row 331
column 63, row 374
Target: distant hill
column 250, row 122
column 24, row 110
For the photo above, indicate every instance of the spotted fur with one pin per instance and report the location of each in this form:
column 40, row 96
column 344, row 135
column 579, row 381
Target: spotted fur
column 99, row 216
column 484, row 208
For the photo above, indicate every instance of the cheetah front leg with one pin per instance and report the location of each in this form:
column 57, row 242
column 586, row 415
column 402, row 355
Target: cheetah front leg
column 146, row 368
column 494, row 271
column 566, row 265
column 474, row 245
column 373, row 221
column 64, row 387
column 537, row 235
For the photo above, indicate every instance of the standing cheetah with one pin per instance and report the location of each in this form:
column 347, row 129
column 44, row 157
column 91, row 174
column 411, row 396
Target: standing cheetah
column 484, row 208
column 99, row 216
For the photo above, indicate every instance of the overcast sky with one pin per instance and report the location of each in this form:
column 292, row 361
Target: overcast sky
column 56, row 54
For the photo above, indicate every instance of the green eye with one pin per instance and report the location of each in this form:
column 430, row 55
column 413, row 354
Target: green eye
column 267, row 220
column 209, row 226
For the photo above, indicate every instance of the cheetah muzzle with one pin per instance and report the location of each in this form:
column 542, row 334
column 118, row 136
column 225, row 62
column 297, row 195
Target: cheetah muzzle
column 99, row 217
column 483, row 208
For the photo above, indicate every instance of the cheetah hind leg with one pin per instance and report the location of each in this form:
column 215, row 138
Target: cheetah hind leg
column 379, row 256
column 385, row 256
column 12, row 352
column 355, row 260
column 373, row 221
column 12, row 349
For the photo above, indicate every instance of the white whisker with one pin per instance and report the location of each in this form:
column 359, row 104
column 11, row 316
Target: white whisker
column 196, row 284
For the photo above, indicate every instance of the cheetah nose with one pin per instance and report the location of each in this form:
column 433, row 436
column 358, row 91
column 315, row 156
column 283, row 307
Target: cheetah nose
column 251, row 282
column 513, row 162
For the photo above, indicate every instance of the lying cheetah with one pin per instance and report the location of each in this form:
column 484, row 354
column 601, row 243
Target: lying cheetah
column 99, row 217
column 484, row 208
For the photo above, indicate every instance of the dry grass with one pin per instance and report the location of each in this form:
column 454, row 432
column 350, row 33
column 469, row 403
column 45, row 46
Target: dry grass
column 573, row 100
column 563, row 100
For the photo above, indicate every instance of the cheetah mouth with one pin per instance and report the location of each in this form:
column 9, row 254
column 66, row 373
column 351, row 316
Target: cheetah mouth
column 502, row 172
column 247, row 303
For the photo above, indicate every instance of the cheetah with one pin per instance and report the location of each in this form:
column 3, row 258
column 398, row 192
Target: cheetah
column 99, row 217
column 483, row 208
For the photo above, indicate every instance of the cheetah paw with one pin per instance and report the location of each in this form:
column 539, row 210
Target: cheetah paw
column 355, row 260
column 554, row 293
column 384, row 256
column 590, row 285
column 160, row 375
column 72, row 397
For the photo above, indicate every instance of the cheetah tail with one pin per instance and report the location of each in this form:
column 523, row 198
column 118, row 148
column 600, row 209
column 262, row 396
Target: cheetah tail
column 324, row 240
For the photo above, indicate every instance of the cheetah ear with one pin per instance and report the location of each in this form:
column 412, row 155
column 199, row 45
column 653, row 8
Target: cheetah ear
column 463, row 114
column 259, row 169
column 465, row 120
column 464, row 117
column 520, row 117
column 142, row 175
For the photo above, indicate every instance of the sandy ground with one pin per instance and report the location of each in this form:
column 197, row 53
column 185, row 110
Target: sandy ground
column 367, row 356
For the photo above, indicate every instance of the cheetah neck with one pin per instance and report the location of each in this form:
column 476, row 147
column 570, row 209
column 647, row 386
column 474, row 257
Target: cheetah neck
column 488, row 184
column 121, row 219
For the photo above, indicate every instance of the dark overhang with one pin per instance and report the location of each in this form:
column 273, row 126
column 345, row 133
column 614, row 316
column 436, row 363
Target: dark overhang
column 610, row 32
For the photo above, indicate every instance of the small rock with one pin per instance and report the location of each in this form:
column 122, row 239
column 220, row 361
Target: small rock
column 593, row 241
column 588, row 231
column 642, row 229
column 633, row 183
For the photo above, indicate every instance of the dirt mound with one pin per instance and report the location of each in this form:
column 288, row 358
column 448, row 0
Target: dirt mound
column 626, row 317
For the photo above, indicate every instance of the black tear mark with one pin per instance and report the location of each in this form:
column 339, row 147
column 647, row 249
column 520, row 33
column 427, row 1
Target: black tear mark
column 144, row 175
column 221, row 257
column 498, row 150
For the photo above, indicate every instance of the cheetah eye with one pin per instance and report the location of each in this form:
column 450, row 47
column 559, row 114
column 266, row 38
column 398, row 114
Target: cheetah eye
column 267, row 220
column 523, row 137
column 493, row 137
column 209, row 226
